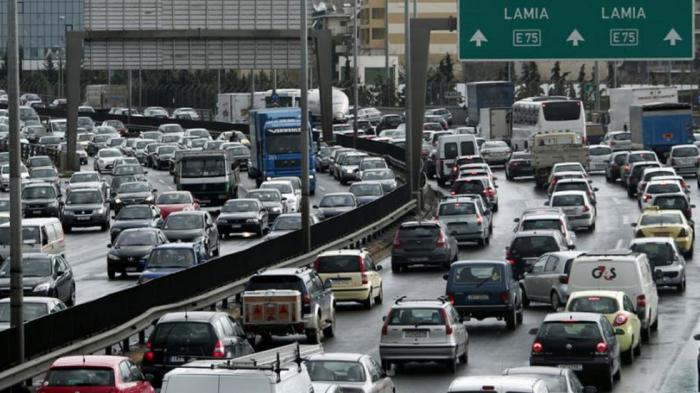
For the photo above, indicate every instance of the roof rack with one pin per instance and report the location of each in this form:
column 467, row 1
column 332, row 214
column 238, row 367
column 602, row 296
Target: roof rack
column 403, row 299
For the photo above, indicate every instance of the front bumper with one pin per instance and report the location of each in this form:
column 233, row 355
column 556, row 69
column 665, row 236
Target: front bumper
column 44, row 211
column 425, row 352
column 226, row 227
column 127, row 264
column 85, row 221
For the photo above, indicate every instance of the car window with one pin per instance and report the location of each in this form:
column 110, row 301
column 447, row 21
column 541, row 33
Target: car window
column 594, row 304
column 539, row 266
column 451, row 151
column 416, row 316
column 125, row 372
column 80, row 377
column 456, row 208
column 552, row 263
column 479, row 274
column 627, row 304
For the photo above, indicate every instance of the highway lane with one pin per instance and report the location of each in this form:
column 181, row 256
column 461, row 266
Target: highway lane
column 667, row 362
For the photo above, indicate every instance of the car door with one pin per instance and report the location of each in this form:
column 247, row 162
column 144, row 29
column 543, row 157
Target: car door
column 59, row 279
column 320, row 295
column 460, row 330
column 550, row 277
column 67, row 276
column 533, row 281
column 374, row 278
column 613, row 344
column 242, row 346
column 628, row 306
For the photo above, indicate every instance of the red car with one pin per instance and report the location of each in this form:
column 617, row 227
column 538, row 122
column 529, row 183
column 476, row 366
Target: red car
column 176, row 201
column 95, row 374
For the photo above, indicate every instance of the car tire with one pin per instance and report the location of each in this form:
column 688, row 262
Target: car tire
column 630, row 193
column 104, row 227
column 67, row 229
column 452, row 365
column 511, row 319
column 217, row 251
column 519, row 317
column 386, row 365
column 608, row 178
column 591, row 228
column 464, row 358
column 526, row 300
column 313, row 336
column 618, row 375
column 379, row 299
column 495, row 208
column 481, row 243
column 111, row 274
column 606, row 384
column 441, row 182
column 655, row 325
column 681, row 288
column 395, row 268
column 554, row 301
column 367, row 303
column 329, row 331
column 71, row 299
column 638, row 349
column 646, row 333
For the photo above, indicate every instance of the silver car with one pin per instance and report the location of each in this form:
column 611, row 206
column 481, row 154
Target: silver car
column 668, row 264
column 658, row 187
column 495, row 152
column 352, row 372
column 599, row 158
column 466, row 219
column 684, row 159
column 547, row 218
column 547, row 281
column 651, row 173
column 577, row 206
column 618, row 140
column 558, row 379
column 423, row 330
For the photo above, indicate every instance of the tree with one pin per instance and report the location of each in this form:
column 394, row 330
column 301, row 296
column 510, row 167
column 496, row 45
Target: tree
column 558, row 81
column 610, row 82
column 523, row 81
column 533, row 85
column 581, row 80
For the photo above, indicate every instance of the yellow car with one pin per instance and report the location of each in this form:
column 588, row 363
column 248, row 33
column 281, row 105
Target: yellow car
column 666, row 223
column 619, row 310
column 353, row 274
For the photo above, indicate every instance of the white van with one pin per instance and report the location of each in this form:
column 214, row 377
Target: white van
column 625, row 271
column 449, row 147
column 256, row 373
column 43, row 235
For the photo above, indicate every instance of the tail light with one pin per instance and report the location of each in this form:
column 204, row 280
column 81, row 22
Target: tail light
column 601, row 348
column 620, row 320
column 317, row 264
column 683, row 233
column 537, row 347
column 641, row 301
column 219, row 351
column 479, row 220
column 149, row 356
column 626, row 168
column 453, row 193
column 440, row 243
column 639, row 233
column 504, row 297
column 451, row 298
column 397, row 240
column 647, row 197
column 509, row 257
column 563, row 279
column 585, row 209
column 673, row 161
column 363, row 271
column 448, row 326
column 455, row 169
column 490, row 192
column 553, row 182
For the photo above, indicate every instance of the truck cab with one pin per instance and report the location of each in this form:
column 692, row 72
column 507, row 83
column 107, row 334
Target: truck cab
column 211, row 176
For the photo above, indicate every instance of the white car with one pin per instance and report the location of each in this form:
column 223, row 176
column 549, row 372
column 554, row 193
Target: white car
column 578, row 208
column 104, row 160
column 5, row 176
column 600, row 156
column 656, row 187
column 499, row 384
column 353, row 372
column 285, row 187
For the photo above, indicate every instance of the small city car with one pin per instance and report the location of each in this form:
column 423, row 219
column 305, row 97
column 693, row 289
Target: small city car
column 354, row 275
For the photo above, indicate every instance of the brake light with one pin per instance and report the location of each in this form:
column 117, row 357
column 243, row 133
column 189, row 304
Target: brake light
column 307, row 299
column 537, row 347
column 479, row 220
column 641, row 301
column 441, row 241
column 363, row 271
column 563, row 279
column 509, row 257
column 455, row 169
column 683, row 233
column 448, row 326
column 585, row 209
column 149, row 356
column 601, row 348
column 490, row 192
column 219, row 351
column 317, row 264
column 554, row 181
column 397, row 241
column 673, row 161
column 504, row 297
column 451, row 298
column 620, row 320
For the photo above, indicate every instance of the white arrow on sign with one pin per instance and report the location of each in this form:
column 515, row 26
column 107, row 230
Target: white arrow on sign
column 672, row 37
column 478, row 38
column 575, row 37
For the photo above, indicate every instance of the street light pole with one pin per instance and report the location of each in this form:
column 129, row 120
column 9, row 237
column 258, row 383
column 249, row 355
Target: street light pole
column 304, row 104
column 407, row 90
column 355, row 70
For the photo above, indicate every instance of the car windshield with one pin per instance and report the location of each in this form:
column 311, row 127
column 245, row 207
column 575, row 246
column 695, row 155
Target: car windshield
column 283, row 188
column 569, row 331
column 136, row 238
column 166, row 150
column 128, row 170
column 337, row 201
column 101, row 138
column 494, row 145
column 134, row 187
column 415, row 316
column 109, row 153
column 663, row 188
column 43, row 173
column 184, row 221
column 335, row 371
column 366, row 190
column 478, row 274
column 600, row 151
column 690, row 151
column 40, row 161
column 353, row 160
column 671, row 202
column 239, row 207
column 38, row 193
column 80, row 377
column 29, row 311
column 657, row 173
column 174, row 199
column 533, row 246
column 567, row 200
column 171, row 258
column 372, row 164
column 239, row 151
column 338, row 264
column 84, row 137
column 378, row 175
column 659, row 254
column 134, row 213
column 203, row 167
column 116, row 141
column 196, row 143
column 288, row 223
column 84, row 197
column 594, row 304
column 456, row 209
column 168, row 128
column 661, row 219
column 31, row 267
column 539, row 224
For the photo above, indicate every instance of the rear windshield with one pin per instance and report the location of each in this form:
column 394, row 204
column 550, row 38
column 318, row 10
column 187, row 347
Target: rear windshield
column 189, row 333
column 478, row 274
column 659, row 254
column 594, row 304
column 338, row 264
column 654, row 174
column 620, row 159
column 637, row 170
column 623, row 136
column 451, row 151
column 671, row 202
column 455, row 209
column 83, row 376
column 685, row 152
column 171, row 258
column 568, row 168
column 418, row 231
column 537, row 224
column 469, row 187
column 562, row 111
column 637, row 157
column 416, row 316
column 569, row 331
column 533, row 246
column 259, row 283
column 661, row 219
column 571, row 187
column 567, row 200
column 667, row 188
column 600, row 151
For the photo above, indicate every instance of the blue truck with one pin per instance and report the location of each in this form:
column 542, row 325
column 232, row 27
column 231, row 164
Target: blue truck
column 658, row 126
column 275, row 140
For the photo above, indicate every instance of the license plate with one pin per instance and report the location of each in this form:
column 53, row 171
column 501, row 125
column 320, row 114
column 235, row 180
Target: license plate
column 574, row 367
column 36, row 210
column 177, row 359
column 420, row 259
column 131, row 269
column 82, row 218
column 478, row 297
column 236, row 226
column 204, row 200
column 416, row 333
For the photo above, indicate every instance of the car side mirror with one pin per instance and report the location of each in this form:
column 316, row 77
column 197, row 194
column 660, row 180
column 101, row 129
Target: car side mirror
column 284, row 199
column 571, row 247
column 533, row 331
column 315, row 206
column 595, row 189
column 692, row 206
column 445, row 277
column 546, row 203
column 109, row 245
column 145, row 172
column 154, row 190
column 495, row 178
column 384, row 320
column 619, row 332
column 634, row 224
column 327, row 284
column 696, row 337
column 516, row 220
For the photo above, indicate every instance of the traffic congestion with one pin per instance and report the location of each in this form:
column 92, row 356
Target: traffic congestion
column 548, row 262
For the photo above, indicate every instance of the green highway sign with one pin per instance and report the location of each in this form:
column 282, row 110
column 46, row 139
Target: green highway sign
column 575, row 30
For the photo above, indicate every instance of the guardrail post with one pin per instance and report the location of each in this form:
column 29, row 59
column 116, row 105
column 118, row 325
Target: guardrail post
column 224, row 303
column 212, row 307
column 108, row 350
column 125, row 345
column 142, row 337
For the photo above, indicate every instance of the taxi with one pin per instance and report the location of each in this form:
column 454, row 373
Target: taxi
column 666, row 223
column 619, row 311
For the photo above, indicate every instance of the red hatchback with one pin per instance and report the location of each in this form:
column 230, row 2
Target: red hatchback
column 95, row 374
column 176, row 201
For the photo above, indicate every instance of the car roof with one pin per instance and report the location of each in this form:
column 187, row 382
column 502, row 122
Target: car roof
column 641, row 163
column 343, row 252
column 407, row 224
column 572, row 316
column 642, row 240
column 573, row 180
column 284, row 271
column 190, row 316
column 188, row 213
column 566, row 254
column 479, row 262
column 178, row 245
column 538, row 232
column 34, row 299
column 337, row 356
column 571, row 192
column 89, row 360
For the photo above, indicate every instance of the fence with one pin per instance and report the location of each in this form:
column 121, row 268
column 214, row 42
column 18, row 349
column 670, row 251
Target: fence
column 30, row 150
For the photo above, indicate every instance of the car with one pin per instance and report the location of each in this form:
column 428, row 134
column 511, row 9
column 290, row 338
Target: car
column 526, row 247
column 577, row 206
column 567, row 167
column 483, row 185
column 243, row 215
column 170, row 128
column 576, row 185
column 354, row 274
column 386, row 177
column 495, row 152
column 684, row 159
column 135, row 216
column 547, row 280
column 498, row 384
column 335, row 204
column 42, row 200
column 366, row 191
column 655, row 222
column 171, row 258
column 463, row 160
column 635, row 175
column 31, row 100
column 658, row 187
column 43, row 275
column 240, row 153
column 584, row 342
column 444, row 113
column 95, row 373
column 618, row 140
column 334, row 156
column 650, row 174
column 519, row 165
column 171, row 344
column 353, row 372
column 371, row 163
column 599, row 157
column 33, row 307
column 89, row 180
column 557, row 379
column 632, row 157
column 476, row 170
column 129, row 251
column 422, row 243
column 5, row 176
column 546, row 218
column 194, row 143
column 423, row 330
column 97, row 143
column 296, row 183
column 467, row 219
column 286, row 223
column 678, row 201
column 271, row 200
column 104, row 159
column 615, row 165
column 50, row 141
column 348, row 166
column 186, row 113
column 103, row 129
column 132, row 162
column 198, row 132
column 389, row 122
column 286, row 189
column 156, row 111
column 175, row 201
column 323, row 158
column 39, row 161
column 164, row 156
column 193, row 226
column 133, row 193
column 85, row 208
column 665, row 261
column 557, row 177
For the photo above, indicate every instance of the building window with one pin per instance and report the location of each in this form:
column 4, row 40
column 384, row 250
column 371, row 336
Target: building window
column 378, row 13
column 378, row 33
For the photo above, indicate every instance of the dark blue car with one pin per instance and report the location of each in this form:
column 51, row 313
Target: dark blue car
column 485, row 289
column 171, row 258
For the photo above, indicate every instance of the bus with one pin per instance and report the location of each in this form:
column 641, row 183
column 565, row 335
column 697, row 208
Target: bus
column 552, row 113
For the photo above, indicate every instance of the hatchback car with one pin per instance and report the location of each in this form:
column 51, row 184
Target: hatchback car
column 371, row 163
column 650, row 174
column 466, row 219
column 422, row 243
column 104, row 159
column 546, row 218
column 578, row 208
column 85, row 208
column 44, row 175
column 175, row 201
column 665, row 261
column 666, row 223
column 351, row 372
column 135, row 216
column 548, row 279
column 657, row 187
column 39, row 161
column 285, row 187
column 567, row 167
column 562, row 380
column 288, row 222
column 615, row 165
column 42, row 200
column 335, row 204
column 195, row 227
column 354, row 275
column 133, row 193
column 171, row 258
column 130, row 250
column 599, row 157
column 527, row 247
column 576, row 185
column 495, row 152
column 386, row 177
column 33, row 307
column 618, row 140
column 423, row 330
column 271, row 200
column 243, row 215
column 348, row 166
column 43, row 275
column 684, row 159
column 479, row 185
column 95, row 373
column 366, row 191
column 519, row 165
column 498, row 384
column 677, row 201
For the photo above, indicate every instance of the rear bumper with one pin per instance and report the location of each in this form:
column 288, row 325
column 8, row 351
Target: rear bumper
column 351, row 294
column 520, row 172
column 433, row 257
column 483, row 311
column 417, row 352
column 686, row 170
column 470, row 237
column 238, row 228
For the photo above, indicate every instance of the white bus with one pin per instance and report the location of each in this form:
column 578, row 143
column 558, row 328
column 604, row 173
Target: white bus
column 545, row 114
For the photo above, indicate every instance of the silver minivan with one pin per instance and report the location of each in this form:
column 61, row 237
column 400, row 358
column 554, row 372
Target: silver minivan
column 684, row 159
column 548, row 279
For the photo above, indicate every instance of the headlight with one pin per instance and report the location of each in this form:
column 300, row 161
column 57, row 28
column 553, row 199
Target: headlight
column 112, row 257
column 253, row 220
column 54, row 203
column 100, row 161
column 68, row 212
column 100, row 210
column 349, row 170
column 117, row 200
column 43, row 287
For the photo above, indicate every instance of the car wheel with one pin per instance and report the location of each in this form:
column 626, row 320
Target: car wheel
column 111, row 274
column 511, row 322
column 329, row 331
column 452, row 365
column 630, row 193
column 628, row 355
column 655, row 325
column 608, row 178
column 554, row 301
column 681, row 288
column 313, row 336
column 464, row 358
column 395, row 268
column 495, row 208
column 71, row 299
column 487, row 241
column 386, row 365
column 638, row 348
column 526, row 300
column 481, row 243
column 380, row 297
column 519, row 317
column 618, row 375
column 606, row 384
column 367, row 303
column 217, row 251
column 67, row 229
column 441, row 182
column 104, row 227
column 646, row 333
column 591, row 228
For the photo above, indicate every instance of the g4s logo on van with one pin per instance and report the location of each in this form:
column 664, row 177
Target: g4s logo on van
column 600, row 271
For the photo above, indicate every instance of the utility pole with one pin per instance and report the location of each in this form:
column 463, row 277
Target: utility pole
column 407, row 90
column 387, row 74
column 16, row 294
column 355, row 71
column 304, row 104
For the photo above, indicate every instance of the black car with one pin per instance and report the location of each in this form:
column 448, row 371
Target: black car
column 85, row 208
column 519, row 165
column 243, row 215
column 42, row 200
column 39, row 161
column 135, row 216
column 422, row 243
column 635, row 175
column 131, row 250
column 389, row 122
column 323, row 158
column 43, row 275
column 527, row 247
column 133, row 193
column 180, row 337
column 272, row 201
column 584, row 342
column 241, row 155
column 193, row 226
column 613, row 169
